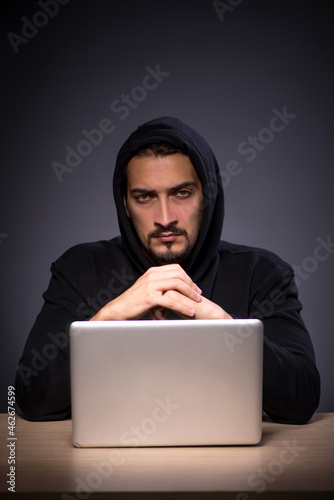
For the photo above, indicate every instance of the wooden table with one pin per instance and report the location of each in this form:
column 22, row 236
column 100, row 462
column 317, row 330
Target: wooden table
column 291, row 462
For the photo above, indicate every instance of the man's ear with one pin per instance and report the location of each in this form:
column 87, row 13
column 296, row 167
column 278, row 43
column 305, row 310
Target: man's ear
column 125, row 205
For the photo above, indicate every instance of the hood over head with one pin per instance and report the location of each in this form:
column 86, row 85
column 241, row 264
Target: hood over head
column 173, row 131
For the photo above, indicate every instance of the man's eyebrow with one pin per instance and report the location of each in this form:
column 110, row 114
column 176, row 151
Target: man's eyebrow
column 183, row 185
column 178, row 187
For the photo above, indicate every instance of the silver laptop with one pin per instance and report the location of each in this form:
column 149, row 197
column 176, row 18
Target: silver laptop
column 166, row 383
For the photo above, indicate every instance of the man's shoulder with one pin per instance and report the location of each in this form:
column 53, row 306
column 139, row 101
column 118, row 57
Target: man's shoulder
column 255, row 256
column 81, row 253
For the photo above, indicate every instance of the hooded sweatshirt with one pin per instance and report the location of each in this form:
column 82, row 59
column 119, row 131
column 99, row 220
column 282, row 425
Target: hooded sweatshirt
column 246, row 282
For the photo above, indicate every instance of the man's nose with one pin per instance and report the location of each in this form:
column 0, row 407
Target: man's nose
column 165, row 214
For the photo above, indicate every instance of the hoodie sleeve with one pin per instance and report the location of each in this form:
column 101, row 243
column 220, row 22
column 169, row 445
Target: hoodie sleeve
column 291, row 382
column 43, row 374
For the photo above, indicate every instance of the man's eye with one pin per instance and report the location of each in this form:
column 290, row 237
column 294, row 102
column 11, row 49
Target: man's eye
column 183, row 193
column 143, row 197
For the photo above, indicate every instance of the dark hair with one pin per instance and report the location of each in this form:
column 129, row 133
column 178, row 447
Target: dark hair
column 158, row 150
column 155, row 150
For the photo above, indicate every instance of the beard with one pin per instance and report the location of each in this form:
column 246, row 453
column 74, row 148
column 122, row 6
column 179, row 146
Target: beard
column 169, row 255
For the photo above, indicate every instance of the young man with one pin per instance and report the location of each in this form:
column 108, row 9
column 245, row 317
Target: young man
column 169, row 263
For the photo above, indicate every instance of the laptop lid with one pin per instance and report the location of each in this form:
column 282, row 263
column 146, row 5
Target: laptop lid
column 166, row 383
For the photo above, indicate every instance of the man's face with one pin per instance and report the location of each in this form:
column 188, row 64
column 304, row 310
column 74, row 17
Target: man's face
column 164, row 201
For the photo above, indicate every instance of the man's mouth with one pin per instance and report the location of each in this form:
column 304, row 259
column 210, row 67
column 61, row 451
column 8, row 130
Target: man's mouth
column 167, row 237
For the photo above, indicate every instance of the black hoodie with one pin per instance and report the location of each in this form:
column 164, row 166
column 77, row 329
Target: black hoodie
column 203, row 259
column 246, row 282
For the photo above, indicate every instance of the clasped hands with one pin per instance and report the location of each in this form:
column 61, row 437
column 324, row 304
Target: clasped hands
column 158, row 289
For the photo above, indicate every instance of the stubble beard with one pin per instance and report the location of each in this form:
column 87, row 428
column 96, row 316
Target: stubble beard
column 168, row 256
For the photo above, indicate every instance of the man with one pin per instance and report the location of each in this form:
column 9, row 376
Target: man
column 169, row 263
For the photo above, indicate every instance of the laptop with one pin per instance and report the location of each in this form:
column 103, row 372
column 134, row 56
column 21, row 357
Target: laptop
column 166, row 383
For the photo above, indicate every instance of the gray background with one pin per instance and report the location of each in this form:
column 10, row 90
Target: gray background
column 225, row 77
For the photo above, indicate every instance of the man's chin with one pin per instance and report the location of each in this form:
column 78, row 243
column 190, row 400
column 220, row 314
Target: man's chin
column 168, row 256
